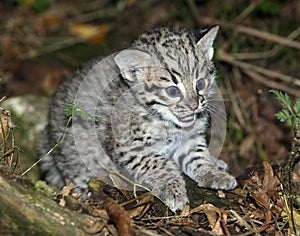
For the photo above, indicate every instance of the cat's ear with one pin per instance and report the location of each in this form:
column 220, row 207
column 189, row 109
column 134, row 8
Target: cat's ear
column 205, row 43
column 131, row 61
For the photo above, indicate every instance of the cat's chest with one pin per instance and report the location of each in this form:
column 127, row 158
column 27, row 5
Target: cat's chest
column 165, row 138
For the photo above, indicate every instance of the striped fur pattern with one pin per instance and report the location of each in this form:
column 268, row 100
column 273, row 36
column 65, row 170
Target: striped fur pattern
column 154, row 118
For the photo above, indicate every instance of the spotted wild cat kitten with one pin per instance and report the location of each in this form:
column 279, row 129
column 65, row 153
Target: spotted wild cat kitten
column 153, row 103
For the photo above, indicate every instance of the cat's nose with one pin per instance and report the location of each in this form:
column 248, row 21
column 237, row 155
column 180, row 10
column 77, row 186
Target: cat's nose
column 194, row 106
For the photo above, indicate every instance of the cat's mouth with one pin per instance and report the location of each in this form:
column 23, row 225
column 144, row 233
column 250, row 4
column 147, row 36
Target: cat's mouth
column 186, row 119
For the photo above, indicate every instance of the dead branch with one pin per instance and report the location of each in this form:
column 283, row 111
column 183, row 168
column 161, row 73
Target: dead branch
column 267, row 36
column 272, row 84
column 267, row 54
column 223, row 56
column 120, row 217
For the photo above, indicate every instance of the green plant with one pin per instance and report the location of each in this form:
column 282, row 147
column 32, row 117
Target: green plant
column 71, row 108
column 290, row 113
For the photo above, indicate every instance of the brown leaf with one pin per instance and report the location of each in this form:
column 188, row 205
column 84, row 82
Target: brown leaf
column 8, row 156
column 120, row 217
column 4, row 125
column 185, row 210
column 270, row 182
column 142, row 207
column 65, row 192
column 262, row 199
column 268, row 191
column 213, row 215
column 89, row 32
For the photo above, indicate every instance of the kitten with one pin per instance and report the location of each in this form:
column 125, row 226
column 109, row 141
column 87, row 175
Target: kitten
column 153, row 103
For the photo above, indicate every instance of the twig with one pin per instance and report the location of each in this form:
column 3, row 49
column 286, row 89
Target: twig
column 272, row 84
column 267, row 54
column 241, row 17
column 223, row 56
column 267, row 36
column 2, row 99
column 252, row 32
column 120, row 217
column 243, row 222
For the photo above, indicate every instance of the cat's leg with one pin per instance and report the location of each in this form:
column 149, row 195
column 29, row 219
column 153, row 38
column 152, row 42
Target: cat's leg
column 204, row 168
column 208, row 173
column 161, row 175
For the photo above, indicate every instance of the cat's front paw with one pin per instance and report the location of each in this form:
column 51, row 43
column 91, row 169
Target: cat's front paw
column 173, row 194
column 216, row 179
column 222, row 165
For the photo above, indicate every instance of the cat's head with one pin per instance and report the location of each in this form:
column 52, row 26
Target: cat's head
column 174, row 70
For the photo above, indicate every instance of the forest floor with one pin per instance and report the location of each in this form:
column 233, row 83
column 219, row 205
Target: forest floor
column 257, row 49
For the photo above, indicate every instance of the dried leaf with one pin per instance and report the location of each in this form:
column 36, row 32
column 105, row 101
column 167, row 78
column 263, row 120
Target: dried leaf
column 213, row 215
column 185, row 210
column 262, row 199
column 217, row 228
column 4, row 126
column 89, row 32
column 270, row 182
column 120, row 217
column 143, row 206
column 8, row 156
column 65, row 192
column 268, row 190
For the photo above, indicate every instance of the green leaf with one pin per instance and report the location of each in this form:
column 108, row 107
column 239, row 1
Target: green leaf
column 74, row 107
column 68, row 108
column 289, row 114
column 297, row 107
column 283, row 115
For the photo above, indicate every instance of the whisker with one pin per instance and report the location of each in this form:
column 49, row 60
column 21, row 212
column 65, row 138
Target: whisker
column 217, row 113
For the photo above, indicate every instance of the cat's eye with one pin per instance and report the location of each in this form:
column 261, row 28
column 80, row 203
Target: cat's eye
column 200, row 85
column 173, row 91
